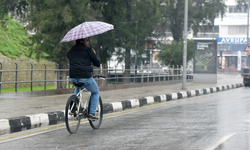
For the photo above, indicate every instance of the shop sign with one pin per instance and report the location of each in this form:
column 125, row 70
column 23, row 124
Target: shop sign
column 230, row 48
column 226, row 40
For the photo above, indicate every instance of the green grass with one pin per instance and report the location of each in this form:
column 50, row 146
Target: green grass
column 23, row 89
column 14, row 39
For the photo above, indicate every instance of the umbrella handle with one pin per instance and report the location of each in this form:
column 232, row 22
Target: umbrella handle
column 90, row 43
column 88, row 37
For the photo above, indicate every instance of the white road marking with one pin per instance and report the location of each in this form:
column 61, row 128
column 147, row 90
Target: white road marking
column 221, row 141
column 33, row 132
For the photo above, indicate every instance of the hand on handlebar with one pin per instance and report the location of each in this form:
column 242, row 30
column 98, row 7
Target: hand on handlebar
column 99, row 76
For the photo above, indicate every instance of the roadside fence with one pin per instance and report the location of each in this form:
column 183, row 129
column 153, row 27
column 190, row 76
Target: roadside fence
column 228, row 71
column 113, row 76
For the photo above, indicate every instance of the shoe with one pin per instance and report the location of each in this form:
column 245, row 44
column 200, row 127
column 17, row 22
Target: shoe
column 92, row 117
column 81, row 112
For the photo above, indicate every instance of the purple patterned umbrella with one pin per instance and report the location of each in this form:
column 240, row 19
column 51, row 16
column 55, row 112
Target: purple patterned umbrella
column 87, row 29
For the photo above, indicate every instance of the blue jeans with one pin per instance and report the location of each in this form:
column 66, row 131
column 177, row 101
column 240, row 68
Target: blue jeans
column 90, row 85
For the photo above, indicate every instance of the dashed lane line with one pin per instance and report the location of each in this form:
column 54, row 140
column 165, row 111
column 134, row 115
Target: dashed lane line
column 220, row 142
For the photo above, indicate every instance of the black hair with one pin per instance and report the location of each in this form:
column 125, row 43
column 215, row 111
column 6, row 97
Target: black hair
column 79, row 41
column 79, row 44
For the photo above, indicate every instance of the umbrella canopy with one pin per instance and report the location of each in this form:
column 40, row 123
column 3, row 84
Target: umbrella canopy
column 87, row 29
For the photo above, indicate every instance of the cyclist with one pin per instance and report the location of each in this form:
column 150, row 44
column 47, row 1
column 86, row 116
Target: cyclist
column 80, row 56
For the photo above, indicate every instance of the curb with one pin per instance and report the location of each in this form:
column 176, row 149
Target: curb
column 22, row 123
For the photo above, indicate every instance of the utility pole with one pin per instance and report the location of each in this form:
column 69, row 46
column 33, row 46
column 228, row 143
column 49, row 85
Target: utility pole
column 136, row 48
column 248, row 27
column 185, row 46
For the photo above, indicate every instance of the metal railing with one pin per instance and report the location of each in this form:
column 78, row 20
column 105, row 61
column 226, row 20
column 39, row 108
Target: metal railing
column 229, row 71
column 113, row 76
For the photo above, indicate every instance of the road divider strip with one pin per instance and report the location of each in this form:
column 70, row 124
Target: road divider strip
column 22, row 123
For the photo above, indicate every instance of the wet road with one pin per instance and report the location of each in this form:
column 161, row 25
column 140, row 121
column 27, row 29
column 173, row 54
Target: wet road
column 218, row 121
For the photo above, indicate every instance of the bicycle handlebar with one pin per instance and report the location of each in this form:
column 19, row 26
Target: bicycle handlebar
column 99, row 76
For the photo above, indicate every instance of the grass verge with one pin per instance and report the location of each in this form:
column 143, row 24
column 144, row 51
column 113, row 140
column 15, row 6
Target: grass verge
column 35, row 88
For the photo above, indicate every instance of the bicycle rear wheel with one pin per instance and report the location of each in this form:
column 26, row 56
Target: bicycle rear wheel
column 72, row 118
column 99, row 114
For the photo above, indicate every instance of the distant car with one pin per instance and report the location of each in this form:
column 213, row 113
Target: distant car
column 245, row 72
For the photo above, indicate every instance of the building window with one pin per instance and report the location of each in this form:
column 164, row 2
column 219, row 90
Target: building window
column 206, row 32
column 231, row 9
column 229, row 62
column 237, row 29
column 234, row 9
column 216, row 29
column 244, row 10
column 208, row 29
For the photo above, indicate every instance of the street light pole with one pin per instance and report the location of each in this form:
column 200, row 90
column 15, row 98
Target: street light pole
column 185, row 46
column 136, row 47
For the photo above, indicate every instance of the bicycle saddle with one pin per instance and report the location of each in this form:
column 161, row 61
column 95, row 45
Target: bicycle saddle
column 78, row 84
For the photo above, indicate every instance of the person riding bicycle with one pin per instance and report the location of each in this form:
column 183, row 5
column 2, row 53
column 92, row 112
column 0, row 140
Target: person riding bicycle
column 80, row 56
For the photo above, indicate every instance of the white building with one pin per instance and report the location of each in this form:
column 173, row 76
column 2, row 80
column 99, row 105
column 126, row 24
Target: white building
column 231, row 33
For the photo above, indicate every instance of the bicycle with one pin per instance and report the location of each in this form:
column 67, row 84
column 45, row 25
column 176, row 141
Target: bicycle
column 75, row 109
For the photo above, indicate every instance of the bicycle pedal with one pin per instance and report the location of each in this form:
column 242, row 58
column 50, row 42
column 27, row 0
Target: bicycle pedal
column 93, row 119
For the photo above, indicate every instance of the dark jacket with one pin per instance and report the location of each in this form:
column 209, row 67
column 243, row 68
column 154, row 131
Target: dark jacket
column 80, row 60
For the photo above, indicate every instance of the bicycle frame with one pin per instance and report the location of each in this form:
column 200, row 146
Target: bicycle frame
column 74, row 113
column 81, row 102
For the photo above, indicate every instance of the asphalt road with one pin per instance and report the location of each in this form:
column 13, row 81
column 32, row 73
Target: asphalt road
column 218, row 121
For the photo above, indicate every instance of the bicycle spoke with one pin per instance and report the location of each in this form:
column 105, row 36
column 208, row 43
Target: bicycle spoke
column 72, row 118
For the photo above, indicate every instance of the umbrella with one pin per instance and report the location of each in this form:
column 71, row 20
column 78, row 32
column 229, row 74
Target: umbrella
column 87, row 29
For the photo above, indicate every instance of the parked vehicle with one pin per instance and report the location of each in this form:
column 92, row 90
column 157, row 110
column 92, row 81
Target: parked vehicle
column 245, row 72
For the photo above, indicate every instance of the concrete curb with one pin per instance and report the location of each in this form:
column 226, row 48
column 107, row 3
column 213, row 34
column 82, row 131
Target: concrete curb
column 22, row 123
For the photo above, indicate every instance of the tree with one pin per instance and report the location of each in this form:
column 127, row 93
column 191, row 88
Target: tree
column 51, row 20
column 17, row 7
column 242, row 4
column 166, row 52
column 200, row 13
column 125, row 16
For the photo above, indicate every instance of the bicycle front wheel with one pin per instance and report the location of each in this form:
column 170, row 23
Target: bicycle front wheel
column 72, row 117
column 99, row 114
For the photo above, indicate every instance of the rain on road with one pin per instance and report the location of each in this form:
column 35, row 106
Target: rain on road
column 218, row 121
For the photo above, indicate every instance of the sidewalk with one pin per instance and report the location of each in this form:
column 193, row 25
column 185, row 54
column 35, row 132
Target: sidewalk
column 26, row 105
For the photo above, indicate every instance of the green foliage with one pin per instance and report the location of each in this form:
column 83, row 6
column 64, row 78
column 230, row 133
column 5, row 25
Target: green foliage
column 166, row 53
column 17, row 7
column 13, row 39
column 242, row 4
column 200, row 13
column 51, row 20
column 131, row 19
